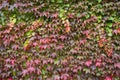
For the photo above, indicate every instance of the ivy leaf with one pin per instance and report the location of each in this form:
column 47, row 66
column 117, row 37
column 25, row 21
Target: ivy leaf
column 31, row 69
column 26, row 45
column 10, row 78
column 111, row 19
column 117, row 65
column 62, row 13
column 59, row 1
column 98, row 74
column 110, row 34
column 14, row 73
column 87, row 16
column 26, row 42
column 86, row 70
column 78, row 14
column 56, row 62
column 108, row 78
column 53, row 1
column 29, row 33
column 109, row 24
column 109, row 31
column 14, row 20
column 80, row 57
column 43, row 71
column 24, row 72
column 67, row 29
column 88, row 63
column 99, row 1
column 99, row 18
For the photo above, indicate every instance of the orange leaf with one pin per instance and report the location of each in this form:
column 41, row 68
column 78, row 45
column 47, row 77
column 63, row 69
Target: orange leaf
column 109, row 51
column 100, row 44
column 26, row 48
column 67, row 29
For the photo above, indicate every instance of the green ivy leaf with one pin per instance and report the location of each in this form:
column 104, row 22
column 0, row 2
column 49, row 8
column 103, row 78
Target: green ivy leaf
column 98, row 74
column 14, row 73
column 43, row 71
column 56, row 62
column 80, row 57
column 109, row 24
column 26, row 42
column 53, row 1
column 14, row 20
column 86, row 70
column 78, row 14
column 79, row 72
column 99, row 1
column 110, row 34
column 62, row 13
column 99, row 18
column 87, row 16
column 111, row 18
column 59, row 1
column 29, row 33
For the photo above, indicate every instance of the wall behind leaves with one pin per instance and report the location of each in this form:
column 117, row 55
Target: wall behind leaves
column 60, row 40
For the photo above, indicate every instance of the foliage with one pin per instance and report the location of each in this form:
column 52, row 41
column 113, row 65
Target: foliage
column 59, row 39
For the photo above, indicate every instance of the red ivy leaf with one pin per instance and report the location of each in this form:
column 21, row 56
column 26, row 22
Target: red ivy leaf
column 64, row 62
column 108, row 78
column 43, row 47
column 67, row 29
column 67, row 26
column 71, row 15
column 82, row 41
column 116, row 31
column 44, row 62
column 24, row 72
column 55, row 15
column 10, row 78
column 88, row 63
column 15, row 47
column 38, row 71
column 101, row 42
column 117, row 65
column 61, row 46
column 109, row 51
column 31, row 69
column 86, row 32
column 13, row 62
column 64, row 76
column 98, row 64
column 37, row 61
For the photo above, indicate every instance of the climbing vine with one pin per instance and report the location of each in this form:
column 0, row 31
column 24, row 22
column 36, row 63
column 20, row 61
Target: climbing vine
column 59, row 39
